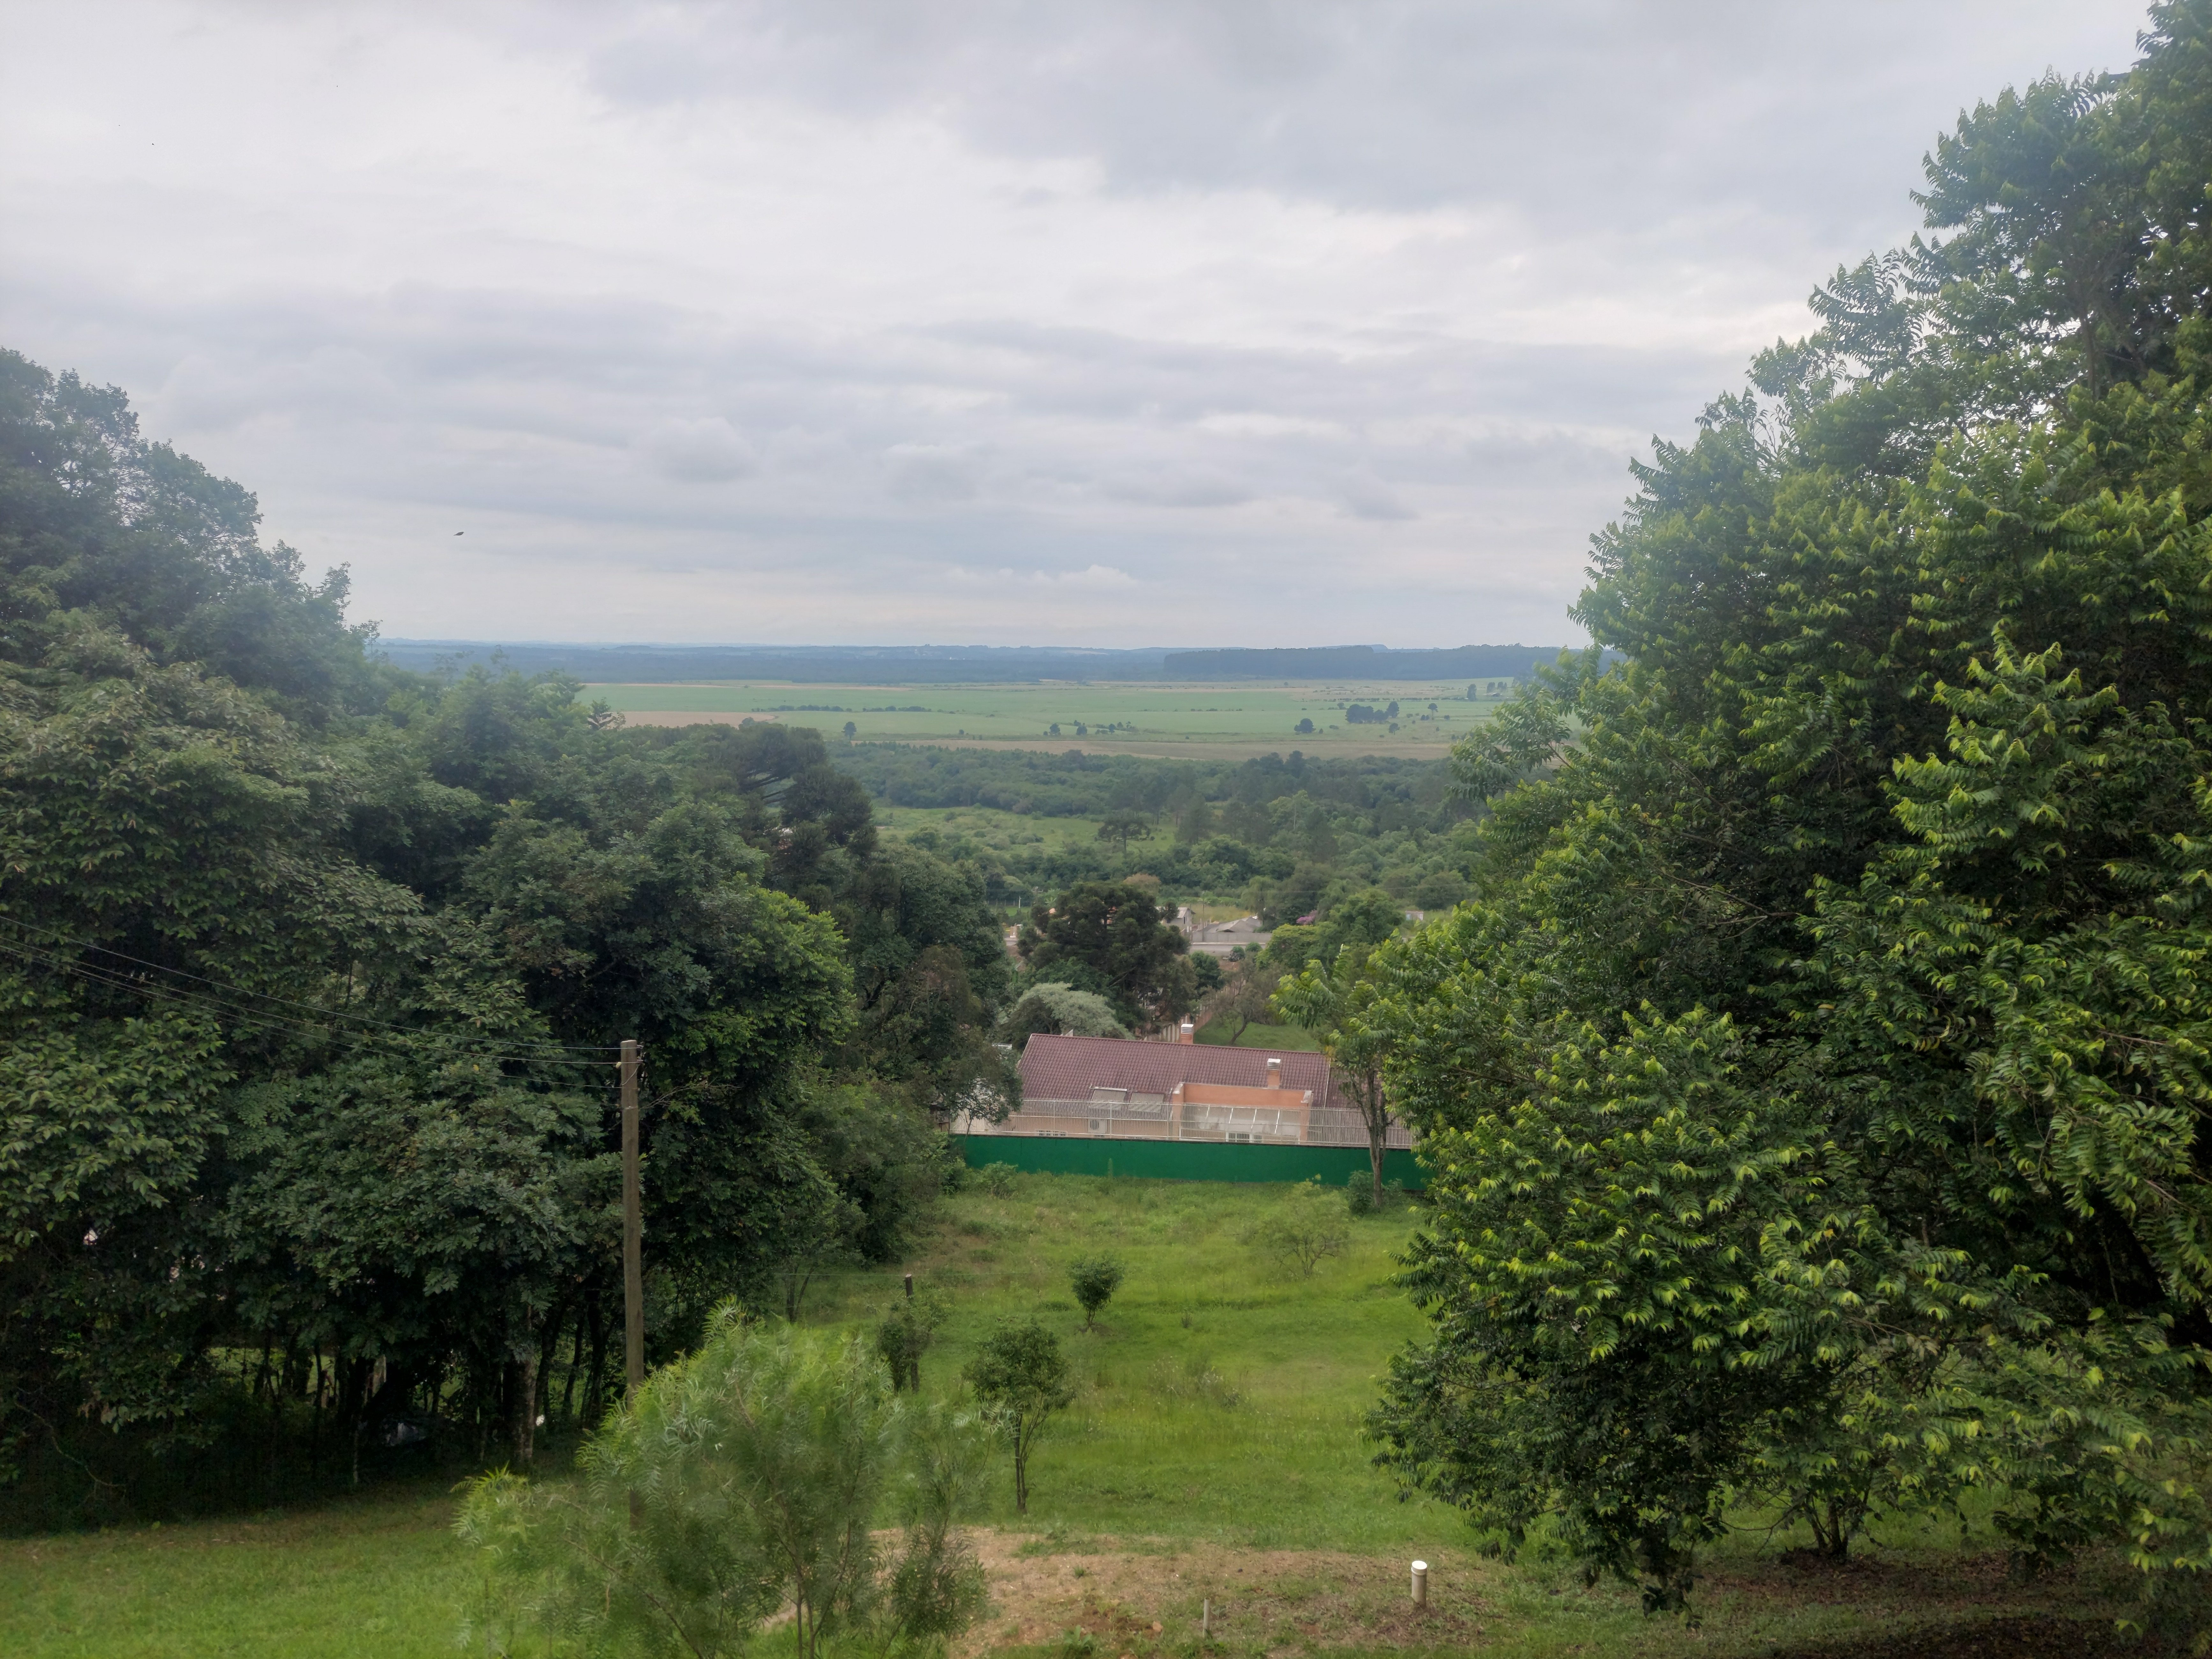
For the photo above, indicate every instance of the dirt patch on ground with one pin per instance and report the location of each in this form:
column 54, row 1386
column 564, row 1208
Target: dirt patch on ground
column 1135, row 1596
column 1146, row 1598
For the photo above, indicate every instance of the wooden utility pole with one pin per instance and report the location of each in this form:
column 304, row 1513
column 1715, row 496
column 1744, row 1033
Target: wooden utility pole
column 632, row 1226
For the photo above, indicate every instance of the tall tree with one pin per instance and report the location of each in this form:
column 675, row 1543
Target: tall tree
column 1813, row 1095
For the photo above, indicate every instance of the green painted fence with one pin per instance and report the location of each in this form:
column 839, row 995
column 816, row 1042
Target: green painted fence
column 1183, row 1160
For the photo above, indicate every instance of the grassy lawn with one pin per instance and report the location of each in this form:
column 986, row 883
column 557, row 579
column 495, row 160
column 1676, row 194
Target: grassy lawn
column 1214, row 1456
column 1262, row 1036
column 1230, row 719
column 378, row 1578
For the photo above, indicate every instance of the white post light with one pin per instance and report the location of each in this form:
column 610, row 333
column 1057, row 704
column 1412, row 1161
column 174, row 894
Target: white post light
column 1420, row 1583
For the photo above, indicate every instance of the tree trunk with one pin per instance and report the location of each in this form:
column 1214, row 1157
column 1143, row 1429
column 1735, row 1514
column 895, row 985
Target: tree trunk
column 1377, row 1113
column 522, row 1400
column 595, row 1393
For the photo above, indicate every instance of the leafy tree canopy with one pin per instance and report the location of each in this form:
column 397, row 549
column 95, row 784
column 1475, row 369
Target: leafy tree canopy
column 1816, row 1095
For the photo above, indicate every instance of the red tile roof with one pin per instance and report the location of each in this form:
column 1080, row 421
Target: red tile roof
column 1070, row 1067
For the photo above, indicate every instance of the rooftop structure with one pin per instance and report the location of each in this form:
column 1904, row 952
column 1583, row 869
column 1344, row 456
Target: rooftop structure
column 1115, row 1087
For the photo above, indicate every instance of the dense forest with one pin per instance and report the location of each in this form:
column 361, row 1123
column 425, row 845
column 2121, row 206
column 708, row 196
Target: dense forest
column 1816, row 1093
column 1285, row 834
column 312, row 971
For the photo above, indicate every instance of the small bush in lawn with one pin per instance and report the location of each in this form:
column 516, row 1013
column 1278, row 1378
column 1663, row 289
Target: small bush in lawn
column 909, row 1329
column 1194, row 1378
column 1094, row 1279
column 997, row 1179
column 1304, row 1229
column 1358, row 1195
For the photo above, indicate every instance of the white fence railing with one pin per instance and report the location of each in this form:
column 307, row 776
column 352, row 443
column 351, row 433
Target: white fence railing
column 1291, row 1124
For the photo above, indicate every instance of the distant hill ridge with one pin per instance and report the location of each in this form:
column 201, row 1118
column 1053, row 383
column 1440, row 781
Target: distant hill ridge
column 946, row 665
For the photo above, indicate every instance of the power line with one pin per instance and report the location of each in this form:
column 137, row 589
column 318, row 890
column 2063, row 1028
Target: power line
column 293, row 1003
column 268, row 996
column 274, row 1024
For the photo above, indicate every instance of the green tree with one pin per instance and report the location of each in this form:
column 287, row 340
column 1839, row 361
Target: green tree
column 1020, row 1375
column 1338, row 1002
column 1115, row 930
column 1123, row 826
column 1811, row 1096
column 1244, row 1000
column 1094, row 1279
column 1058, row 1008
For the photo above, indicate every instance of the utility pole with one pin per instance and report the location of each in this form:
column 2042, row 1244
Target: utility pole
column 633, row 1225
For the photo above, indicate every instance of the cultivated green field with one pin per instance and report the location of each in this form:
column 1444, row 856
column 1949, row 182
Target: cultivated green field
column 1221, row 720
column 1214, row 1454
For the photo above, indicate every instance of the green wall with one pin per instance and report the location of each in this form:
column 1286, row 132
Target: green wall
column 1183, row 1160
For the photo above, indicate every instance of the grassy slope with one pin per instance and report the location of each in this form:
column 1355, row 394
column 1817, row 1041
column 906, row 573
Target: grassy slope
column 1146, row 1450
column 1266, row 1456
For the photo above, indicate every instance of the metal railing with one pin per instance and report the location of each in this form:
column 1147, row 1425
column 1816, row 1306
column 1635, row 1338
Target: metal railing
column 1291, row 1124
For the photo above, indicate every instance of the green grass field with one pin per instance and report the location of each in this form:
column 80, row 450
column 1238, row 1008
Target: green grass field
column 1214, row 1454
column 1230, row 720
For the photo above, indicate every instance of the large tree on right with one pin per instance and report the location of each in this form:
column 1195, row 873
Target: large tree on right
column 1815, row 1099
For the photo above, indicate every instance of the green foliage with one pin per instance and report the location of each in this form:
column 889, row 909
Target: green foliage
column 998, row 1178
column 1337, row 999
column 742, row 1477
column 1054, row 1007
column 1116, row 932
column 1094, row 1279
column 311, row 972
column 1021, row 1377
column 1302, row 1230
column 1815, row 1096
column 909, row 1329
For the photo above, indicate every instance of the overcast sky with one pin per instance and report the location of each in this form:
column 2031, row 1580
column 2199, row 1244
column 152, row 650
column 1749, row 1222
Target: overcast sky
column 1110, row 322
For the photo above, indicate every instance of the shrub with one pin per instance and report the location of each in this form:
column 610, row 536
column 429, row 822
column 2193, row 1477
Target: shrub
column 1304, row 1229
column 908, row 1330
column 741, row 1478
column 997, row 1179
column 1358, row 1193
column 1094, row 1279
column 1194, row 1378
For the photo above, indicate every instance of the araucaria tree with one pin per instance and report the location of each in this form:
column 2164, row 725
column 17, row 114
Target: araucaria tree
column 1815, row 1102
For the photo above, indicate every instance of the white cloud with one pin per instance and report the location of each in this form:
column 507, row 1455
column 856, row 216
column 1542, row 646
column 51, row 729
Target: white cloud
column 752, row 319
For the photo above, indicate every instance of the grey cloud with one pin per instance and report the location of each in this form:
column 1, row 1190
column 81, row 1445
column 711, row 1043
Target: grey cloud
column 1655, row 110
column 1228, row 292
column 923, row 473
column 1367, row 497
column 708, row 450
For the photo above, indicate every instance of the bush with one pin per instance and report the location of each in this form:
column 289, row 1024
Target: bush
column 1359, row 1193
column 741, row 1478
column 908, row 1330
column 1304, row 1231
column 997, row 1179
column 1094, row 1279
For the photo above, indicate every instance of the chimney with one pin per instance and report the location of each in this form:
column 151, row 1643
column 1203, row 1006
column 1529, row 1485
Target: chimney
column 1187, row 1032
column 1274, row 1074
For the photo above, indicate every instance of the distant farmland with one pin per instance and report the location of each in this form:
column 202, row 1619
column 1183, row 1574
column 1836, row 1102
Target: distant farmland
column 1214, row 721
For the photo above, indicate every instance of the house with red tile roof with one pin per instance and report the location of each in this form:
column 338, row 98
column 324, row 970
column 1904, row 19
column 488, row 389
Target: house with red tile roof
column 1120, row 1088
